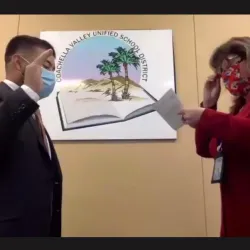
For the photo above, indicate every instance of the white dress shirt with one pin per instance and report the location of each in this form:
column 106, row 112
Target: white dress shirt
column 33, row 95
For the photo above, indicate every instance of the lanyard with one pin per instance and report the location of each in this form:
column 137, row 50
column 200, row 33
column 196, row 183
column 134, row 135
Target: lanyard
column 218, row 165
column 219, row 146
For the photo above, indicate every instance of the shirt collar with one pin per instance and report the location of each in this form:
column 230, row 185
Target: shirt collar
column 11, row 84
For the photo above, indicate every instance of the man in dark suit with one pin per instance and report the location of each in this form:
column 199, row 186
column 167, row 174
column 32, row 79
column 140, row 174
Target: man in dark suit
column 30, row 174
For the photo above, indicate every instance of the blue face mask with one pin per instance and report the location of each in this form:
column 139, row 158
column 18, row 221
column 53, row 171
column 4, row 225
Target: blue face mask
column 49, row 81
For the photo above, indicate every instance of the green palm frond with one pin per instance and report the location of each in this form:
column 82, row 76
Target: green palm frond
column 107, row 67
column 125, row 56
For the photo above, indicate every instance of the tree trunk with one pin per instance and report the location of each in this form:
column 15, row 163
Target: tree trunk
column 113, row 91
column 125, row 94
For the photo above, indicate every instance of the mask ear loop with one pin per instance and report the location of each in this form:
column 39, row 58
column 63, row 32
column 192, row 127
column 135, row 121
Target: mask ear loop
column 24, row 60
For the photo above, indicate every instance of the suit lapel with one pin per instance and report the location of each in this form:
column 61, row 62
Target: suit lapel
column 35, row 126
column 54, row 157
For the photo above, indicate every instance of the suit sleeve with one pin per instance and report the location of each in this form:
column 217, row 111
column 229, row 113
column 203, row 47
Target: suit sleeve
column 15, row 110
column 205, row 144
column 226, row 127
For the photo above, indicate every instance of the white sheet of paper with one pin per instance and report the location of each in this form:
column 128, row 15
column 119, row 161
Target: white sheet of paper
column 168, row 108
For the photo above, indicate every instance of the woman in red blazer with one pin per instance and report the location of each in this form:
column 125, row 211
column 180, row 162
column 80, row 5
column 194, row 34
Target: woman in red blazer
column 228, row 134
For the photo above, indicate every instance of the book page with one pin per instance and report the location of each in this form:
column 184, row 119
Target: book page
column 138, row 98
column 141, row 111
column 125, row 108
column 81, row 105
column 91, row 121
column 168, row 108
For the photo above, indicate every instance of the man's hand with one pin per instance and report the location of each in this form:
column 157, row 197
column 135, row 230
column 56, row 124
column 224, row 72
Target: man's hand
column 33, row 72
column 191, row 117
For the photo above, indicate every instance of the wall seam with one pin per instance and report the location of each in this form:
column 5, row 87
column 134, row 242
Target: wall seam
column 202, row 165
column 18, row 24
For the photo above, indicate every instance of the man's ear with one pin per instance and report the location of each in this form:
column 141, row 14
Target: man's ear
column 17, row 63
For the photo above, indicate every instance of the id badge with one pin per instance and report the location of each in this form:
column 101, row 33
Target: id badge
column 218, row 168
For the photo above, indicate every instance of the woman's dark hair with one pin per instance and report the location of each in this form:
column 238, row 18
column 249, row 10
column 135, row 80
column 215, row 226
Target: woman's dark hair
column 239, row 46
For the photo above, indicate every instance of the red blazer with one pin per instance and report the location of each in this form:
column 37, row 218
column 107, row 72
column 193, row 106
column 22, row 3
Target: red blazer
column 234, row 132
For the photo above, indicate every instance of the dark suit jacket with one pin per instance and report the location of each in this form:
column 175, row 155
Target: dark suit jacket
column 30, row 182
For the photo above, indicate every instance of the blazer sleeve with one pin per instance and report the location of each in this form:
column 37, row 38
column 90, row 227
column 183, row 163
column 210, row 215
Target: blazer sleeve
column 226, row 127
column 205, row 144
column 15, row 110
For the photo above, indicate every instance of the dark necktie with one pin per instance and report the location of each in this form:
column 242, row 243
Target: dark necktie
column 41, row 128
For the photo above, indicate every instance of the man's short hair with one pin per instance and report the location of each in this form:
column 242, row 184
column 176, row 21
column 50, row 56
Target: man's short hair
column 25, row 42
